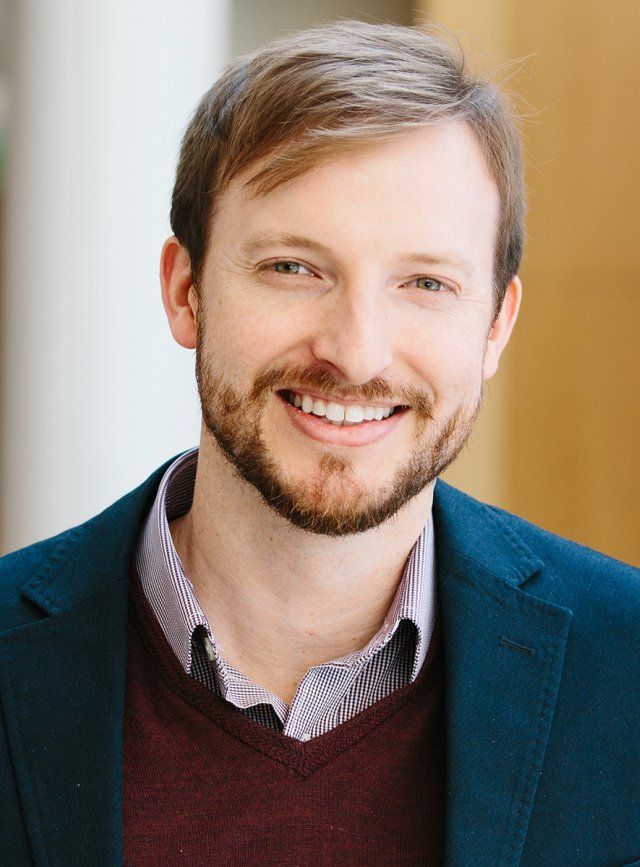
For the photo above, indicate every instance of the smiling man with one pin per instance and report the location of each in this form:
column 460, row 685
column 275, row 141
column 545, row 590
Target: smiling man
column 340, row 371
column 294, row 644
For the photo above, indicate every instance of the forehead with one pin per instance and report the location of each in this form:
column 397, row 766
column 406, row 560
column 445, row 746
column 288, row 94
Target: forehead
column 431, row 184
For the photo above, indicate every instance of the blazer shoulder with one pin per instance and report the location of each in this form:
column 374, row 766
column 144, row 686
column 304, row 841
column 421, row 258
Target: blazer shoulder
column 548, row 565
column 577, row 575
column 556, row 546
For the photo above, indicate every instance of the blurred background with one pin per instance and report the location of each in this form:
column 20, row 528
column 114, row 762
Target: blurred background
column 94, row 393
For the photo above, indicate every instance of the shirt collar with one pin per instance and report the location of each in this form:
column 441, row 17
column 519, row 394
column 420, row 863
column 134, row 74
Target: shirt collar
column 175, row 605
column 165, row 584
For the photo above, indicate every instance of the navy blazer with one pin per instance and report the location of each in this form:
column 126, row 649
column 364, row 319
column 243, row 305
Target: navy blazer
column 542, row 655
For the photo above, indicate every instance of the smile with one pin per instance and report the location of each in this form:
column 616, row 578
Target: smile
column 336, row 413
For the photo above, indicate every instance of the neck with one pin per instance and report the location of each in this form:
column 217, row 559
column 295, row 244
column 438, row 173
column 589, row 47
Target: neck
column 279, row 599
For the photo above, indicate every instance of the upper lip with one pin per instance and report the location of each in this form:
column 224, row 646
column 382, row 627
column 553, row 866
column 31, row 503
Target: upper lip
column 344, row 401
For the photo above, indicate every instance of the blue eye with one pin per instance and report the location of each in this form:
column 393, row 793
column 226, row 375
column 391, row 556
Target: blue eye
column 430, row 284
column 288, row 266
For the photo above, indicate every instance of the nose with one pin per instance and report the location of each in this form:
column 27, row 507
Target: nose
column 354, row 333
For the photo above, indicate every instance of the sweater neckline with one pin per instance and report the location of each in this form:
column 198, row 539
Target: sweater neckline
column 303, row 757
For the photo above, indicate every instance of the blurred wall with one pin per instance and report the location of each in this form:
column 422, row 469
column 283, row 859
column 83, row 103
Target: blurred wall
column 559, row 445
column 94, row 392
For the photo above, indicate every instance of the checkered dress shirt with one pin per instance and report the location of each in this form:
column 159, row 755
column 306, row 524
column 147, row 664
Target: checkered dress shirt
column 330, row 693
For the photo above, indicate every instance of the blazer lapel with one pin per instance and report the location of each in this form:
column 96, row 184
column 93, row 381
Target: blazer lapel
column 62, row 687
column 504, row 652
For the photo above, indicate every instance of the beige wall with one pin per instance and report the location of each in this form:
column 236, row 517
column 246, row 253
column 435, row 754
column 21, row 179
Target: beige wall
column 559, row 439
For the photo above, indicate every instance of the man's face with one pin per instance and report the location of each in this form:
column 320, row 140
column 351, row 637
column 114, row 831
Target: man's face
column 361, row 286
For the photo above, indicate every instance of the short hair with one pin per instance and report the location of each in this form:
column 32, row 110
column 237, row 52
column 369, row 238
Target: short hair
column 302, row 98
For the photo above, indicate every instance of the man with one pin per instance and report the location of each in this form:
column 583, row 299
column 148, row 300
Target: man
column 294, row 645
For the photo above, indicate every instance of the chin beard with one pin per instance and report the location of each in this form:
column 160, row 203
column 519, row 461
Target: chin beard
column 334, row 503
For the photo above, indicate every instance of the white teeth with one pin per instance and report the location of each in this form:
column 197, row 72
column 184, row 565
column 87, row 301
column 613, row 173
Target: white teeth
column 354, row 413
column 319, row 407
column 335, row 412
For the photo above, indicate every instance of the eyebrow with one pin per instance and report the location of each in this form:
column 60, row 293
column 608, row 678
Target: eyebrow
column 458, row 262
column 257, row 243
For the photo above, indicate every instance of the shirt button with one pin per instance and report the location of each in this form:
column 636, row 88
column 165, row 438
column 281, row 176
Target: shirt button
column 305, row 737
column 208, row 646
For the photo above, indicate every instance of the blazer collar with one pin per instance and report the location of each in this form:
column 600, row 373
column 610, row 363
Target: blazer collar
column 471, row 535
column 62, row 681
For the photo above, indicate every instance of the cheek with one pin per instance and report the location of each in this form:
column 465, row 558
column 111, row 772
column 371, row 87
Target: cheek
column 242, row 338
column 451, row 364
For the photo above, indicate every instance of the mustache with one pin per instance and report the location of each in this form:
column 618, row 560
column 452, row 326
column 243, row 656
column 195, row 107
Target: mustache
column 319, row 379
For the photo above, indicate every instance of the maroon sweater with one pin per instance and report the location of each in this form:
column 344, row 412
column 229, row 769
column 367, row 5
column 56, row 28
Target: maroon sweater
column 203, row 783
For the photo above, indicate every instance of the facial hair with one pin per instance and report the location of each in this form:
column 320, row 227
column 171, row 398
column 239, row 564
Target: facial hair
column 234, row 421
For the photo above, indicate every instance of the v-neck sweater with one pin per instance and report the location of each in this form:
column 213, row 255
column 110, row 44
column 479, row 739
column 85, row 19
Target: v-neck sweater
column 204, row 783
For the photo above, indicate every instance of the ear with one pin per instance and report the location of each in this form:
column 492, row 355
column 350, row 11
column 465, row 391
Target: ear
column 178, row 292
column 502, row 327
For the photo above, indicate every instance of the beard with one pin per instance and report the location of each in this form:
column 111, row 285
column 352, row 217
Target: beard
column 331, row 502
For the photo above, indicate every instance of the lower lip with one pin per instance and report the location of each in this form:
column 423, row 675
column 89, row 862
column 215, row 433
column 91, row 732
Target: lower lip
column 353, row 435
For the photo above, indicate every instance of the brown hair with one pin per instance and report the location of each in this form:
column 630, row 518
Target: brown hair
column 301, row 98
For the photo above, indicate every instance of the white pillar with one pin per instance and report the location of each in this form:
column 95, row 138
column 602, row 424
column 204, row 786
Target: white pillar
column 95, row 393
